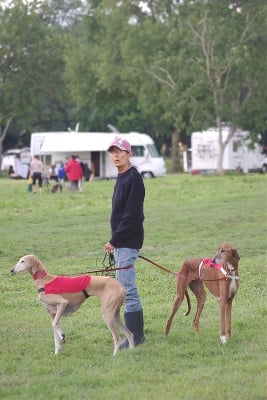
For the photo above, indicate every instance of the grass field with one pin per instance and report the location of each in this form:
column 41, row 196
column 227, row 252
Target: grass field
column 185, row 216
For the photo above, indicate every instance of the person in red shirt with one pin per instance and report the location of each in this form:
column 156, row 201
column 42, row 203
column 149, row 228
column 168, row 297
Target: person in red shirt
column 74, row 173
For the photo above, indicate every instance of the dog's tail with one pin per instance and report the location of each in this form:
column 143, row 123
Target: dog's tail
column 188, row 304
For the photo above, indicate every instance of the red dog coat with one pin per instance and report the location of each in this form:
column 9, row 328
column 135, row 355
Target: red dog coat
column 67, row 284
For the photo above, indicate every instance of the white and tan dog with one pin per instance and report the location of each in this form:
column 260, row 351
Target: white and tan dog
column 219, row 275
column 109, row 291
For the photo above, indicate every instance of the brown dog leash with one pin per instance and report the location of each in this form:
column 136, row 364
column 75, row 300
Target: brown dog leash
column 158, row 265
column 224, row 278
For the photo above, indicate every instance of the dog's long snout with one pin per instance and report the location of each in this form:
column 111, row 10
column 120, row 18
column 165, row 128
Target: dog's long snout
column 218, row 257
column 215, row 258
column 14, row 270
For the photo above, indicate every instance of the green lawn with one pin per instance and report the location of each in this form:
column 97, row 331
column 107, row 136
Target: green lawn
column 185, row 216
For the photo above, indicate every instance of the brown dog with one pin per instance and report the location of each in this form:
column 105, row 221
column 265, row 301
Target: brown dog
column 222, row 280
column 109, row 291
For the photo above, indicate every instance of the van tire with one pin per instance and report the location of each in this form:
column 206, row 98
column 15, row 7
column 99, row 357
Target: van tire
column 147, row 175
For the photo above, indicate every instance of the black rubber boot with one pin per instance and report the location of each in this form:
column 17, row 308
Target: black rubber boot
column 135, row 322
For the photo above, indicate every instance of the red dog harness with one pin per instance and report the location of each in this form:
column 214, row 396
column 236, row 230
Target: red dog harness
column 230, row 274
column 209, row 263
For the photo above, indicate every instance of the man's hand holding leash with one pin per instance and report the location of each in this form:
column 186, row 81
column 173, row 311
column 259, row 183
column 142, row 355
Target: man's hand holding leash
column 108, row 248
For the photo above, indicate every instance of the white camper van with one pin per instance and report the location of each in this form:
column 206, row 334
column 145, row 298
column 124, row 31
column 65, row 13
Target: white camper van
column 91, row 147
column 19, row 159
column 238, row 154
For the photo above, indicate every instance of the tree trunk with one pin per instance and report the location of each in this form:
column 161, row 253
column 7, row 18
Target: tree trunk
column 175, row 151
column 2, row 138
column 221, row 148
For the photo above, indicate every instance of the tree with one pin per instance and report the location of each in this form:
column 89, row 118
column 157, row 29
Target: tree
column 31, row 68
column 170, row 68
column 228, row 40
column 95, row 71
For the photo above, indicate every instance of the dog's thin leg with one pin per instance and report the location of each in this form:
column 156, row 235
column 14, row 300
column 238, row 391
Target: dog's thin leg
column 110, row 322
column 60, row 309
column 223, row 317
column 58, row 335
column 61, row 334
column 228, row 318
column 57, row 341
column 129, row 335
column 176, row 304
column 58, row 329
column 199, row 291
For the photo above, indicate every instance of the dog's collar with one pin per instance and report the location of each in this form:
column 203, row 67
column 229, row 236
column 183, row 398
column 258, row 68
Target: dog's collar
column 39, row 274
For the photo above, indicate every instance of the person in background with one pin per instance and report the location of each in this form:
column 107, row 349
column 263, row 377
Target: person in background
column 87, row 172
column 11, row 171
column 92, row 173
column 81, row 181
column 36, row 172
column 61, row 173
column 127, row 236
column 74, row 173
column 53, row 173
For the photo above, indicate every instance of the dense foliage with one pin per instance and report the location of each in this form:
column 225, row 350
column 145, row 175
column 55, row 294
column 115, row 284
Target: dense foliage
column 161, row 66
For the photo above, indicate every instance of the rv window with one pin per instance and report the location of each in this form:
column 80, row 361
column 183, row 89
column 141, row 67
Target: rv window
column 153, row 150
column 138, row 151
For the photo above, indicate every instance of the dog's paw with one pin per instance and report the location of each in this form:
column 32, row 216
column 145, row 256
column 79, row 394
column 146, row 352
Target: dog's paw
column 63, row 338
column 223, row 339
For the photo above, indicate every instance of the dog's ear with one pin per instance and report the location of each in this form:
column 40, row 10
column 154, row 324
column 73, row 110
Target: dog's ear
column 34, row 263
column 235, row 254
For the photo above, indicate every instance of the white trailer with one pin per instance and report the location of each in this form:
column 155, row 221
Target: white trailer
column 239, row 154
column 91, row 148
column 19, row 159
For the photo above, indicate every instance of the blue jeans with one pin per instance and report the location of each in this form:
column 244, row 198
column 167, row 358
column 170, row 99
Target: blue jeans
column 125, row 257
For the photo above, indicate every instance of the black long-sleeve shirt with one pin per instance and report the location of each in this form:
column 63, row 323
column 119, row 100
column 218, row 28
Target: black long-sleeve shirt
column 127, row 210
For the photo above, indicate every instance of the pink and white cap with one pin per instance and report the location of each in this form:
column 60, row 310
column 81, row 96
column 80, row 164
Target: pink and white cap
column 121, row 144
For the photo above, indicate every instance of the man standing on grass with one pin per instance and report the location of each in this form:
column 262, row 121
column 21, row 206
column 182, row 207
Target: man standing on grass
column 127, row 238
column 36, row 173
column 74, row 173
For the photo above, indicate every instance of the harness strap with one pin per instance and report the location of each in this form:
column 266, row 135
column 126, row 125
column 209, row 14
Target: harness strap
column 227, row 275
column 199, row 268
column 86, row 295
column 224, row 272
